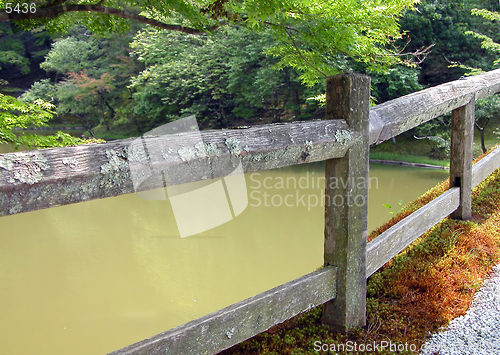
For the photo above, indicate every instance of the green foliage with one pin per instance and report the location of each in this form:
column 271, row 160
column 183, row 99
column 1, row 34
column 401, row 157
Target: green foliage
column 488, row 108
column 14, row 113
column 60, row 139
column 17, row 114
column 219, row 78
column 396, row 82
column 444, row 24
column 71, row 55
column 95, row 71
column 20, row 51
column 12, row 52
column 487, row 42
column 390, row 206
column 42, row 89
column 307, row 35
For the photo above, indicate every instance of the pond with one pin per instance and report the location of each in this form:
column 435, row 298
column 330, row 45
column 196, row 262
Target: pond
column 96, row 276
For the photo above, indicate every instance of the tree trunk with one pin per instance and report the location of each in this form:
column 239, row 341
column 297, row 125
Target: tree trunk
column 296, row 101
column 103, row 112
column 481, row 132
column 483, row 147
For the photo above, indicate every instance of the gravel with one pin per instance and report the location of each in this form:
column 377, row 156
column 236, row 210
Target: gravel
column 478, row 331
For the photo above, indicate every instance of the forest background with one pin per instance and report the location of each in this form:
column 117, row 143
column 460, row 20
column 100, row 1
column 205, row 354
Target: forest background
column 118, row 82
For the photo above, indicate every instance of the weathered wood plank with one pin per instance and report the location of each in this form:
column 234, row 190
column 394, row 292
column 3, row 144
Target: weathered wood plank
column 387, row 245
column 346, row 204
column 393, row 117
column 485, row 167
column 229, row 326
column 462, row 140
column 52, row 177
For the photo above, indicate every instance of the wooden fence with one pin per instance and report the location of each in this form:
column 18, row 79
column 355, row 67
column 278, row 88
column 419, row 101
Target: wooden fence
column 52, row 177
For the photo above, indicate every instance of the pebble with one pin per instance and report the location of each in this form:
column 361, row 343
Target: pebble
column 478, row 331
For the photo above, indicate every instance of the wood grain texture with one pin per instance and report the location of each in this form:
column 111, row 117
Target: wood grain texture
column 231, row 325
column 485, row 167
column 462, row 141
column 387, row 245
column 52, row 177
column 346, row 204
column 393, row 117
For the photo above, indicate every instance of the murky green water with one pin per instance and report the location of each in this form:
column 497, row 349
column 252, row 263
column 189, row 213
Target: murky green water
column 93, row 277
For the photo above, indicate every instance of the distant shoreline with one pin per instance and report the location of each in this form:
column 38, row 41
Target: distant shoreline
column 404, row 163
column 49, row 128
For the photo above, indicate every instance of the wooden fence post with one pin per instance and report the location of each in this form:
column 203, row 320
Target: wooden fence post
column 462, row 140
column 346, row 203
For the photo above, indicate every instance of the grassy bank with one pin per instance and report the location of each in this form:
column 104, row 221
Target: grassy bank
column 417, row 292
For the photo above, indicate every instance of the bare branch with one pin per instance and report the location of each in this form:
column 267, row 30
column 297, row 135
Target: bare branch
column 301, row 55
column 276, row 25
column 413, row 58
column 434, row 138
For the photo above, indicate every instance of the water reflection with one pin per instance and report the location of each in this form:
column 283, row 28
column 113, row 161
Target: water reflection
column 96, row 276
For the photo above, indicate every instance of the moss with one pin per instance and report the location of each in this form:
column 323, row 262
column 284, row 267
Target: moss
column 285, row 155
column 200, row 150
column 309, row 146
column 117, row 160
column 229, row 333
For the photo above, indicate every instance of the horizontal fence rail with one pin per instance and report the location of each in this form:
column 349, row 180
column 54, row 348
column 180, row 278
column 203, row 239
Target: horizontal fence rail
column 240, row 321
column 390, row 243
column 394, row 117
column 59, row 176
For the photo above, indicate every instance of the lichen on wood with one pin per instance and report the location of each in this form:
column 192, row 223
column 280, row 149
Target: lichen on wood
column 343, row 136
column 200, row 150
column 116, row 170
column 234, row 146
column 137, row 154
column 25, row 167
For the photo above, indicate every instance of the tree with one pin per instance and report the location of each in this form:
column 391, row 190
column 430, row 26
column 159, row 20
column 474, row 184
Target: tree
column 487, row 41
column 71, row 55
column 21, row 53
column 92, row 74
column 308, row 34
column 487, row 34
column 221, row 78
column 87, row 99
column 487, row 110
column 18, row 114
column 444, row 25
